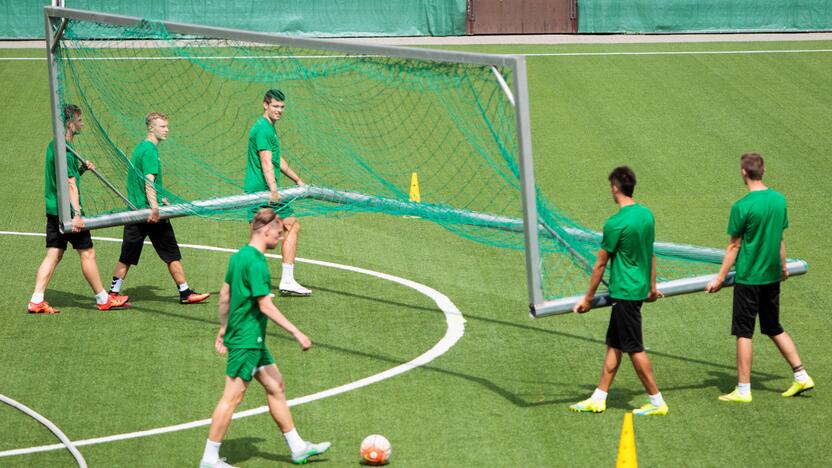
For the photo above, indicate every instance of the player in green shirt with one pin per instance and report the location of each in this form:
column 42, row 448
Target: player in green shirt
column 757, row 246
column 627, row 245
column 262, row 159
column 56, row 240
column 143, row 179
column 245, row 306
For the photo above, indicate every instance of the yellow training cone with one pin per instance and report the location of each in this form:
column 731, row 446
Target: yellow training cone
column 627, row 444
column 414, row 188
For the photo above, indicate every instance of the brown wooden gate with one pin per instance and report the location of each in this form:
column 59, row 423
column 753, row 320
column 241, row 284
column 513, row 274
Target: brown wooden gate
column 522, row 17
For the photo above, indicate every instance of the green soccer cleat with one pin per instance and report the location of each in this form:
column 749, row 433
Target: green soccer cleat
column 797, row 388
column 736, row 397
column 311, row 450
column 651, row 410
column 589, row 406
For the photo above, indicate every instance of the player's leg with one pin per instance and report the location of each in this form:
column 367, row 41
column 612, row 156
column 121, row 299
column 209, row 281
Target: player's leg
column 269, row 376
column 164, row 241
column 612, row 361
column 632, row 343
column 744, row 316
column 132, row 242
column 89, row 267
column 56, row 244
column 770, row 326
column 235, row 389
column 291, row 230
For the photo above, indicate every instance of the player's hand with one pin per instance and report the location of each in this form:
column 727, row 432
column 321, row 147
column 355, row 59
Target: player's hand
column 300, row 182
column 584, row 305
column 77, row 223
column 154, row 216
column 274, row 196
column 714, row 286
column 784, row 275
column 303, row 340
column 219, row 344
column 654, row 294
column 90, row 165
column 165, row 201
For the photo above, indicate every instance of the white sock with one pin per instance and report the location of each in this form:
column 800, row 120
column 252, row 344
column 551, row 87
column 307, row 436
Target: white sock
column 296, row 444
column 212, row 452
column 37, row 298
column 102, row 297
column 288, row 274
column 599, row 395
column 801, row 376
column 656, row 400
column 115, row 285
column 744, row 389
column 184, row 287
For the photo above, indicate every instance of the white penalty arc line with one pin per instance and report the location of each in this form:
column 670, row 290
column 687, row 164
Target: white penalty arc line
column 553, row 54
column 49, row 425
column 454, row 331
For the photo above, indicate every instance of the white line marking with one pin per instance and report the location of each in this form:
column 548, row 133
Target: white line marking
column 553, row 54
column 49, row 425
column 453, row 318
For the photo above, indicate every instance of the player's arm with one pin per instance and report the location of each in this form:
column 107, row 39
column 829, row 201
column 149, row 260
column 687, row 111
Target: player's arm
column 268, row 173
column 225, row 297
column 150, row 190
column 75, row 205
column 284, row 168
column 654, row 292
column 784, row 274
column 731, row 253
column 268, row 309
column 585, row 304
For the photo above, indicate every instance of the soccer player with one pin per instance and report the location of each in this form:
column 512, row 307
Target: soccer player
column 142, row 181
column 245, row 306
column 627, row 244
column 756, row 244
column 263, row 158
column 56, row 241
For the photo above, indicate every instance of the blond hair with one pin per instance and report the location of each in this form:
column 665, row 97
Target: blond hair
column 149, row 118
column 264, row 217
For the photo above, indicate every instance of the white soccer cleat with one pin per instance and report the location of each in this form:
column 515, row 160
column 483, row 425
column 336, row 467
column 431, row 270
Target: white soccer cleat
column 292, row 287
column 217, row 464
column 311, row 450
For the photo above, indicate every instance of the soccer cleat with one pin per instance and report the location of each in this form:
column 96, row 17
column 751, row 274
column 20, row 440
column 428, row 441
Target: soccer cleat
column 311, row 450
column 113, row 300
column 589, row 406
column 797, row 388
column 42, row 307
column 217, row 464
column 736, row 397
column 189, row 296
column 293, row 288
column 651, row 410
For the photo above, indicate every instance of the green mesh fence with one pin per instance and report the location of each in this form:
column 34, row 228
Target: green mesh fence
column 354, row 124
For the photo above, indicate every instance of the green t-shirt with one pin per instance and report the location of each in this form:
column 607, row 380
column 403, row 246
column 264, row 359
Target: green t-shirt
column 145, row 160
column 759, row 218
column 261, row 137
column 628, row 238
column 50, row 189
column 249, row 278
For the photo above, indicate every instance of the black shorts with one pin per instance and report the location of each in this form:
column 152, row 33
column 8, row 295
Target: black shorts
column 624, row 331
column 161, row 236
column 54, row 238
column 749, row 300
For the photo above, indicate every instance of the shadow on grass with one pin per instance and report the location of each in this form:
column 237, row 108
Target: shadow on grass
column 242, row 449
column 722, row 380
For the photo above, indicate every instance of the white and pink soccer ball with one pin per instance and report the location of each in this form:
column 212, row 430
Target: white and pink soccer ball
column 376, row 450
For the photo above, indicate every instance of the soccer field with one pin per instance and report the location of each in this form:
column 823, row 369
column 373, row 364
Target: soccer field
column 679, row 114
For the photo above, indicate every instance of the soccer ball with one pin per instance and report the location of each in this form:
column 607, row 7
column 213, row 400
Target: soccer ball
column 376, row 450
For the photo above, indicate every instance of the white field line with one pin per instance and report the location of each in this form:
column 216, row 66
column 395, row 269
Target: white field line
column 553, row 54
column 49, row 425
column 453, row 318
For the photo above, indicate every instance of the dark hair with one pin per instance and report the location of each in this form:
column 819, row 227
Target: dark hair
column 275, row 94
column 624, row 178
column 753, row 165
column 70, row 112
column 263, row 218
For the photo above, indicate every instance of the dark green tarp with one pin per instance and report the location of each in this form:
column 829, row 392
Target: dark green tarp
column 23, row 19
